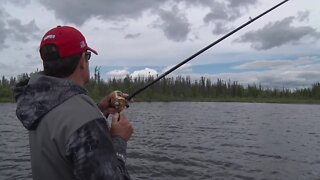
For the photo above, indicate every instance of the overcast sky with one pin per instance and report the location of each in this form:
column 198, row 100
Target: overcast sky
column 135, row 37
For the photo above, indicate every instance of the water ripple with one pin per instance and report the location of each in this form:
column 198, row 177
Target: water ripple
column 189, row 141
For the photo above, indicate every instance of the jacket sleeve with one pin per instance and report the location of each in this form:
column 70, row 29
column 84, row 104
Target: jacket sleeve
column 95, row 155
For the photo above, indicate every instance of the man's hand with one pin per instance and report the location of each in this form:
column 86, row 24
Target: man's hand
column 120, row 126
column 106, row 105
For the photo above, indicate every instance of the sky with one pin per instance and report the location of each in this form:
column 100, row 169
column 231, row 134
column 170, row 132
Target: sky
column 148, row 37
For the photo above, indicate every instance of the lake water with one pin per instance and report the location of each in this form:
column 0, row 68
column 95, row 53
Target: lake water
column 182, row 140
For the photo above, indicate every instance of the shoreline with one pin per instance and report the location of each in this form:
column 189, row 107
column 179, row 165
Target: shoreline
column 231, row 100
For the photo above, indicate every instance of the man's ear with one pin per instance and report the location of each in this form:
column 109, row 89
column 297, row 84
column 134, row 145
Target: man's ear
column 82, row 63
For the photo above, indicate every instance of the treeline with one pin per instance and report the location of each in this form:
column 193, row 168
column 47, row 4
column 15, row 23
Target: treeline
column 6, row 86
column 184, row 89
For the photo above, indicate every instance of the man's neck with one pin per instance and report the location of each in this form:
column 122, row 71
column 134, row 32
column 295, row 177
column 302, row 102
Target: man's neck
column 75, row 79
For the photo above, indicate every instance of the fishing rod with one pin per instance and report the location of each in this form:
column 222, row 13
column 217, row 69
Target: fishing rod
column 202, row 50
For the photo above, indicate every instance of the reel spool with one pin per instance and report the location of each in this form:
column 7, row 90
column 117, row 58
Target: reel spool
column 119, row 101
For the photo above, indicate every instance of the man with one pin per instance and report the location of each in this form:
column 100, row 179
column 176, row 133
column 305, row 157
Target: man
column 68, row 133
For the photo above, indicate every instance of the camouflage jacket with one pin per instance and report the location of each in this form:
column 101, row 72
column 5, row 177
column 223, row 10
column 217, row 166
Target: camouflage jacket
column 69, row 136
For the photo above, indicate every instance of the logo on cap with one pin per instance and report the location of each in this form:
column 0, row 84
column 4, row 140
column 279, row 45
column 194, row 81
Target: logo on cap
column 50, row 36
column 82, row 44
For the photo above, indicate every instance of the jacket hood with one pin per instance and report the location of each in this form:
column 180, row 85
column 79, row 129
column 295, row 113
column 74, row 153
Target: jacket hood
column 38, row 95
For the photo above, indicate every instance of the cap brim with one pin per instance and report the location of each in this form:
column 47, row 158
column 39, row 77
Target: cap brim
column 92, row 50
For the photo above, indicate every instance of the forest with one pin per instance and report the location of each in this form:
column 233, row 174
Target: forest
column 183, row 89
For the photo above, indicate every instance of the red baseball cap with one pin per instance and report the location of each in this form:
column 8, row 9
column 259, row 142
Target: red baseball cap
column 68, row 40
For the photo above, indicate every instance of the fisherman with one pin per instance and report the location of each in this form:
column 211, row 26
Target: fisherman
column 68, row 133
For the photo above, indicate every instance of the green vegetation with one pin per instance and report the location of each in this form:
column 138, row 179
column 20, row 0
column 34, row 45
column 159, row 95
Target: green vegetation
column 5, row 89
column 183, row 89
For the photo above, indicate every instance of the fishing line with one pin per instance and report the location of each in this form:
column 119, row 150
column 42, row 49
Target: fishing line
column 203, row 50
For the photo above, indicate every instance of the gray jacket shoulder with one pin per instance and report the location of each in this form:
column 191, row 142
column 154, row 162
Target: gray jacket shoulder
column 70, row 115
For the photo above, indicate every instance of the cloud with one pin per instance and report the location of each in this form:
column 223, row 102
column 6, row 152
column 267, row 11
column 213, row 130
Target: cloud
column 271, row 79
column 3, row 35
column 174, row 25
column 122, row 73
column 224, row 13
column 241, row 3
column 4, row 31
column 5, row 68
column 83, row 10
column 296, row 73
column 21, row 3
column 277, row 34
column 280, row 64
column 172, row 21
column 288, row 79
column 271, row 64
column 219, row 12
column 132, row 36
column 14, row 29
column 144, row 73
column 220, row 28
column 12, row 69
column 118, row 73
column 303, row 16
column 186, row 68
column 23, row 32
